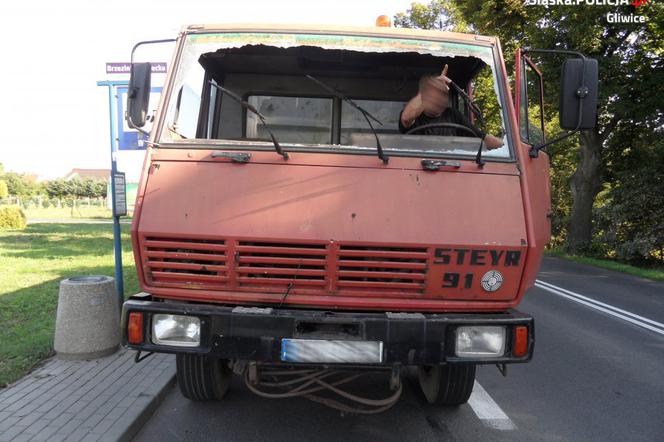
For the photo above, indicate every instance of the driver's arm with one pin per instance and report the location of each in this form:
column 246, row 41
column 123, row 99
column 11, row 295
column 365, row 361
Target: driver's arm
column 411, row 111
column 490, row 141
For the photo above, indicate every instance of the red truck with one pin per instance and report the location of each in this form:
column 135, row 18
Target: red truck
column 291, row 219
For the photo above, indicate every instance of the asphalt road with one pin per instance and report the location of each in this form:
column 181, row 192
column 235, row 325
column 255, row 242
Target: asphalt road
column 597, row 374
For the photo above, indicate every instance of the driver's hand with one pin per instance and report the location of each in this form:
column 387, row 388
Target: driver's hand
column 442, row 81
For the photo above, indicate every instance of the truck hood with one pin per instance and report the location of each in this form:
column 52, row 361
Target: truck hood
column 334, row 236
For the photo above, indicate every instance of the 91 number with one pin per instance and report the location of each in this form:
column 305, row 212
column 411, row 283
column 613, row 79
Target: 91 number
column 451, row 280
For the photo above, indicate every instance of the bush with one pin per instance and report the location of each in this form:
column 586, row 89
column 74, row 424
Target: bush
column 12, row 218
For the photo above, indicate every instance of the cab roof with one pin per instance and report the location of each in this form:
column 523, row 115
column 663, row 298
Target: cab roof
column 342, row 30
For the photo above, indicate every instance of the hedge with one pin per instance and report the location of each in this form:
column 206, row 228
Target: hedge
column 12, row 218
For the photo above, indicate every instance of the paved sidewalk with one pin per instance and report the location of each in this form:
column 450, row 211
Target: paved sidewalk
column 106, row 399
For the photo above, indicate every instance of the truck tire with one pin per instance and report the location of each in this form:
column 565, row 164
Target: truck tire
column 449, row 384
column 202, row 378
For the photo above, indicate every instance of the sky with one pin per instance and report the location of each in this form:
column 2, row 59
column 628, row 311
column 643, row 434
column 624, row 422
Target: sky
column 54, row 117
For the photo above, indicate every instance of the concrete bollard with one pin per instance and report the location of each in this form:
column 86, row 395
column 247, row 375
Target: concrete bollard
column 87, row 325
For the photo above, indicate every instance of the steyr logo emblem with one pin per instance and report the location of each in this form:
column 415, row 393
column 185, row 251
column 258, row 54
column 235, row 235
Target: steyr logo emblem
column 492, row 280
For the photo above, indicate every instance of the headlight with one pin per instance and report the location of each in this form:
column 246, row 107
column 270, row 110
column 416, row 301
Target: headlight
column 480, row 341
column 176, row 330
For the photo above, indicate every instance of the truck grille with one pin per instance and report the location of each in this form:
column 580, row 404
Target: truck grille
column 260, row 264
column 277, row 267
column 381, row 269
column 185, row 262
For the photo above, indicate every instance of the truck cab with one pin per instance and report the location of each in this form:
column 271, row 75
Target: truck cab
column 286, row 219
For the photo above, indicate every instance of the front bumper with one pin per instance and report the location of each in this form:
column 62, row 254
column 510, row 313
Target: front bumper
column 255, row 334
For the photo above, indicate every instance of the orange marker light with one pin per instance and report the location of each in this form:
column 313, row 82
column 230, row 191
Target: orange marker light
column 383, row 21
column 520, row 344
column 135, row 328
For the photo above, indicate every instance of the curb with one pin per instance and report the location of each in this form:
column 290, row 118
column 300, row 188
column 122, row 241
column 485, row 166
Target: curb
column 133, row 428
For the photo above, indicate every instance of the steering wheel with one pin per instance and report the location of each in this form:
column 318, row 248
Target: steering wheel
column 478, row 157
column 441, row 124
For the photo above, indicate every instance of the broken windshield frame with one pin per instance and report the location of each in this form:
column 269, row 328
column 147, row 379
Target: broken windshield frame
column 197, row 44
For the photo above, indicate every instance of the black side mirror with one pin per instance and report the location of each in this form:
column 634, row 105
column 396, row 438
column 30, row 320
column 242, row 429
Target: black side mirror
column 138, row 95
column 578, row 93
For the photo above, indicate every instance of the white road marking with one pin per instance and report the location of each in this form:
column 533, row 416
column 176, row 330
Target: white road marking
column 594, row 301
column 632, row 318
column 488, row 411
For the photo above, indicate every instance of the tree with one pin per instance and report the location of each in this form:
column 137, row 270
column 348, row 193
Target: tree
column 441, row 15
column 56, row 188
column 16, row 185
column 631, row 222
column 76, row 188
column 100, row 189
column 4, row 192
column 631, row 74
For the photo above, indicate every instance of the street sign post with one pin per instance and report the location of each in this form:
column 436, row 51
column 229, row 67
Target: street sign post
column 117, row 244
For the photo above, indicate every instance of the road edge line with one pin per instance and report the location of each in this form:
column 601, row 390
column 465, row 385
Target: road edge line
column 602, row 309
column 601, row 304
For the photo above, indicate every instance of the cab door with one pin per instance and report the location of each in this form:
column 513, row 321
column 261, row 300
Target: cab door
column 528, row 103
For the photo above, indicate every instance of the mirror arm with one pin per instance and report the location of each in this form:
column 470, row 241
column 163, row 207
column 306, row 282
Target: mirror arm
column 147, row 42
column 131, row 124
column 581, row 92
column 534, row 150
column 553, row 51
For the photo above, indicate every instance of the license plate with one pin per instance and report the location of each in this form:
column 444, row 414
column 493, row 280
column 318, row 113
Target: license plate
column 331, row 351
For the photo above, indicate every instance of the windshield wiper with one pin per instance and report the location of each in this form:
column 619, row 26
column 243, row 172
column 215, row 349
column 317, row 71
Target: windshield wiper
column 367, row 116
column 253, row 110
column 473, row 106
column 476, row 110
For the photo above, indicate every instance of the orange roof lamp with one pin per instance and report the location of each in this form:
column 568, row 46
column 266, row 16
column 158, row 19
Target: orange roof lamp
column 383, row 21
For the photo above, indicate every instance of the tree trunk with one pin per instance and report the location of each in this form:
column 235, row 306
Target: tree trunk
column 585, row 184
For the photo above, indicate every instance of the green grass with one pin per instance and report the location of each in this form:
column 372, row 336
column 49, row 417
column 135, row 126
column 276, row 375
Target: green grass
column 32, row 262
column 83, row 212
column 648, row 273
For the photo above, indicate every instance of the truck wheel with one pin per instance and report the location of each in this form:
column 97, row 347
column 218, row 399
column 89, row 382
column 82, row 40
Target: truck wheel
column 449, row 384
column 202, row 378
